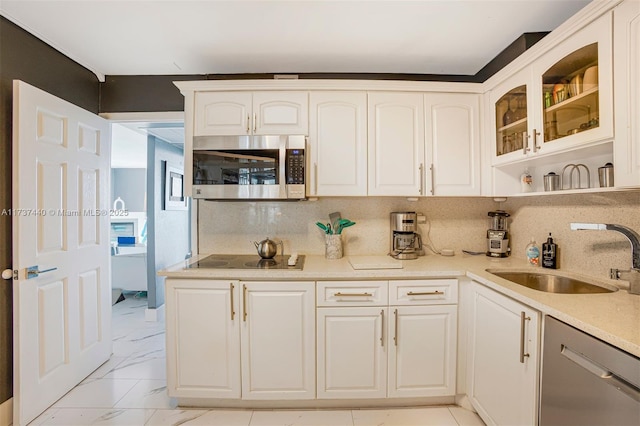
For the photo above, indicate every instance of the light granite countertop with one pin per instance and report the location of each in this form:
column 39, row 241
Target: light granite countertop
column 612, row 317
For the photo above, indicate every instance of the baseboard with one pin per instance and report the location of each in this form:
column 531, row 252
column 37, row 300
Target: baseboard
column 6, row 412
column 464, row 402
column 154, row 315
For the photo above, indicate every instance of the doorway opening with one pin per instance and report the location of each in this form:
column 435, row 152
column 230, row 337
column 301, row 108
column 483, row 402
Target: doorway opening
column 149, row 231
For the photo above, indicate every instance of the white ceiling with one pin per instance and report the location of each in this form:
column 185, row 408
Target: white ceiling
column 137, row 37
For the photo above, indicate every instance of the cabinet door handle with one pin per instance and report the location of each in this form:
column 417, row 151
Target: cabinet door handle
column 395, row 338
column 536, row 148
column 255, row 122
column 244, row 302
column 382, row 328
column 248, row 127
column 338, row 294
column 525, row 142
column 523, row 318
column 233, row 312
column 433, row 179
column 424, row 293
column 421, row 179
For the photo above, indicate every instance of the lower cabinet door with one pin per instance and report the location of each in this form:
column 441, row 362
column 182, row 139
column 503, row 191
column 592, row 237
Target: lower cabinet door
column 278, row 340
column 203, row 338
column 352, row 352
column 422, row 350
column 504, row 358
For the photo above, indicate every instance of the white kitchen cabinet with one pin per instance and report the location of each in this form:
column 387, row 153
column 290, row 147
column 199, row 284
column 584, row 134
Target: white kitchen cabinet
column 452, row 143
column 396, row 144
column 504, row 361
column 352, row 352
column 351, row 293
column 367, row 349
column 203, row 338
column 422, row 337
column 351, row 335
column 214, row 324
column 422, row 350
column 514, row 112
column 546, row 117
column 338, row 143
column 251, row 113
column 278, row 340
column 626, row 26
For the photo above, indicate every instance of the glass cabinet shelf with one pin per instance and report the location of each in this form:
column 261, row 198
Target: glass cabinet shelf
column 520, row 125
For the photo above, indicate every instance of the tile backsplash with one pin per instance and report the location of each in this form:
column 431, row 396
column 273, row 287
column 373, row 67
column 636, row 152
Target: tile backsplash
column 453, row 222
column 230, row 227
column 588, row 252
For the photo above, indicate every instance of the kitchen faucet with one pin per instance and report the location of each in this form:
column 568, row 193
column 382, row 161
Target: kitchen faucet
column 632, row 275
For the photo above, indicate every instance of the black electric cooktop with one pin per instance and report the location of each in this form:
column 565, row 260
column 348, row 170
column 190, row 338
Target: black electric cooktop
column 246, row 261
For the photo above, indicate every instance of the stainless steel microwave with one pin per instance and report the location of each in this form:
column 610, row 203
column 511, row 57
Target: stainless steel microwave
column 249, row 167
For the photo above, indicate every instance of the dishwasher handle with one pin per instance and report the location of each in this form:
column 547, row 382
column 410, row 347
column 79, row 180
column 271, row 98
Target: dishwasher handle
column 603, row 373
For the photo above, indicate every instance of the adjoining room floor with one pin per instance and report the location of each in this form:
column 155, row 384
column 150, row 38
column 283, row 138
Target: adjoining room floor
column 130, row 390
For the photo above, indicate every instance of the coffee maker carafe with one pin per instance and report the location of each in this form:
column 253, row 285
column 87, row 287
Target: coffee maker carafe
column 498, row 234
column 406, row 243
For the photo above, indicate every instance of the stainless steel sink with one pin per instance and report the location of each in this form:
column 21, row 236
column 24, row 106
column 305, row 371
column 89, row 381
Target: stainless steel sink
column 552, row 283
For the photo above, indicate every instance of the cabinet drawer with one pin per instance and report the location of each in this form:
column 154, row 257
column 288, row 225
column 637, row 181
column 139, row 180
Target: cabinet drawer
column 423, row 292
column 352, row 293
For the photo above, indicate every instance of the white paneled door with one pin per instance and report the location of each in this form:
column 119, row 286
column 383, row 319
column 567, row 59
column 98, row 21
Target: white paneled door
column 61, row 311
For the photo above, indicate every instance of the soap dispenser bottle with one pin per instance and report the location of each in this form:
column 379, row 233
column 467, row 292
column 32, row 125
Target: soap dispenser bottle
column 550, row 254
column 533, row 253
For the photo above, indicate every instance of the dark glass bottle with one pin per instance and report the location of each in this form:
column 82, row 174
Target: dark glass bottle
column 550, row 254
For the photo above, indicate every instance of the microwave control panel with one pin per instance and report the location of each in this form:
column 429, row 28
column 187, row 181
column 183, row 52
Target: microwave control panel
column 294, row 166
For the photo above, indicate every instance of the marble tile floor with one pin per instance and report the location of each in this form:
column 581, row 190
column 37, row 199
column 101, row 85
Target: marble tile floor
column 130, row 390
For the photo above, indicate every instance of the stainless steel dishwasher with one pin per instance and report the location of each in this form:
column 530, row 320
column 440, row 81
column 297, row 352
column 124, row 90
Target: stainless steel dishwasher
column 586, row 381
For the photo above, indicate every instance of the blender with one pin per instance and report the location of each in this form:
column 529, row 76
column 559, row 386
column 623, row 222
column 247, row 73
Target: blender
column 498, row 234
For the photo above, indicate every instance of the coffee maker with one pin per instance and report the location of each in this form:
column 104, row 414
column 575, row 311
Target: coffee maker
column 406, row 243
column 498, row 234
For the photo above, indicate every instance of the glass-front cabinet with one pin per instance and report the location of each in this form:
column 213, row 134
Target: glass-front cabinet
column 511, row 121
column 570, row 94
column 561, row 103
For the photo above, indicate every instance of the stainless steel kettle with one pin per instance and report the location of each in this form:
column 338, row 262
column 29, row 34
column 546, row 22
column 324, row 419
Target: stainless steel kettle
column 267, row 248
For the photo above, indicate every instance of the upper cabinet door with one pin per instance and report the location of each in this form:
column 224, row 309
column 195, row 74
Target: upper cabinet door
column 338, row 144
column 249, row 113
column 280, row 113
column 626, row 159
column 574, row 89
column 514, row 121
column 396, row 144
column 222, row 113
column 453, row 143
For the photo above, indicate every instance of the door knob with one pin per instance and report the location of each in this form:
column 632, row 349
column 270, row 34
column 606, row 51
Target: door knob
column 7, row 274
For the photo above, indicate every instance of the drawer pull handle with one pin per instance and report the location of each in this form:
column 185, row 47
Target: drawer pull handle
column 425, row 293
column 338, row 294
